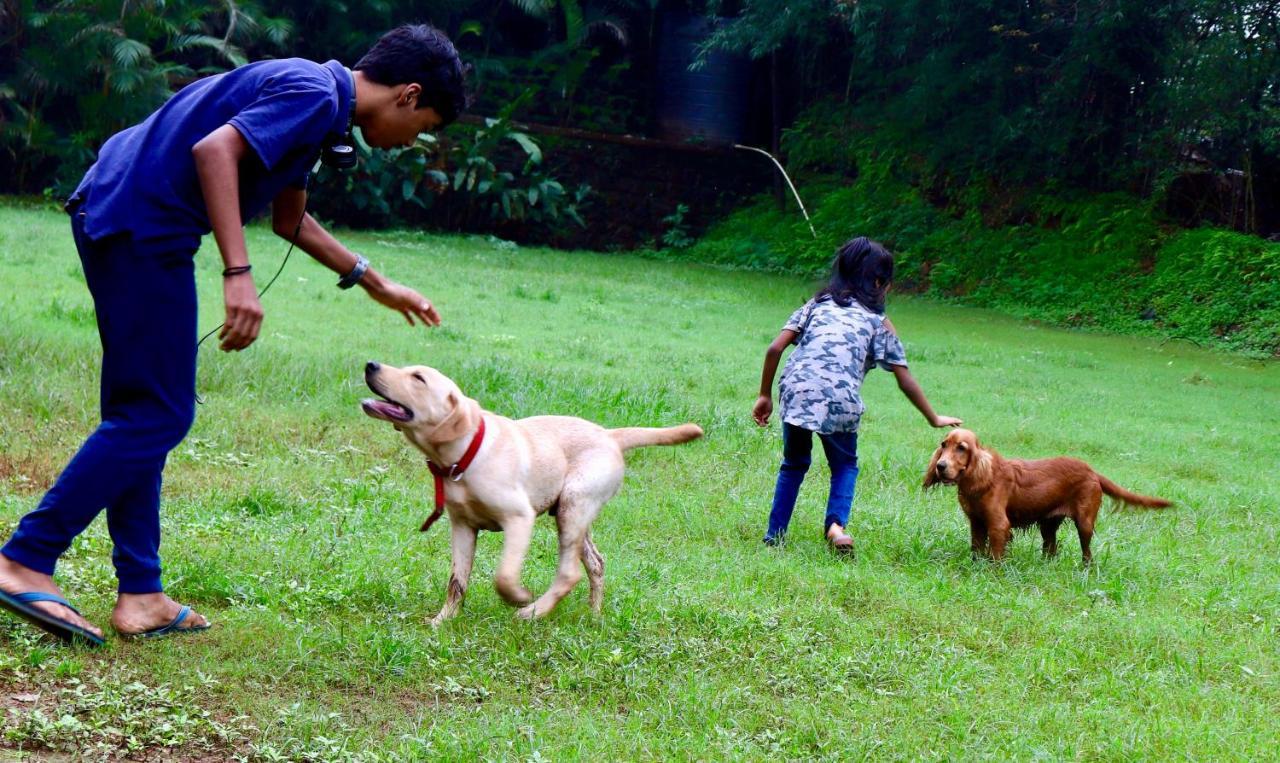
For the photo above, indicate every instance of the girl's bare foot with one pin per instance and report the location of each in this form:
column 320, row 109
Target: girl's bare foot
column 140, row 612
column 15, row 579
column 838, row 539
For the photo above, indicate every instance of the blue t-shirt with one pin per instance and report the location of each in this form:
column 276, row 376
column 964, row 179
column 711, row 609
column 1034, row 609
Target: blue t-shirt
column 145, row 183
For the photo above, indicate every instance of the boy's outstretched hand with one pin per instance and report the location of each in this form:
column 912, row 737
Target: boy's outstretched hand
column 761, row 410
column 405, row 301
column 946, row 421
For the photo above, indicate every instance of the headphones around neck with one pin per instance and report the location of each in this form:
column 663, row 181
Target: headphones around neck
column 340, row 152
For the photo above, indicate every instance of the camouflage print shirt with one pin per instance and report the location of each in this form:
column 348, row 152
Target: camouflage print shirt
column 835, row 349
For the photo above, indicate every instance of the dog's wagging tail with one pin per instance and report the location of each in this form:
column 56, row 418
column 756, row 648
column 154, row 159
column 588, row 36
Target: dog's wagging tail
column 641, row 437
column 1129, row 497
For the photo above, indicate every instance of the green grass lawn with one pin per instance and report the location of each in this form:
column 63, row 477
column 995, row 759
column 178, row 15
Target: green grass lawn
column 291, row 521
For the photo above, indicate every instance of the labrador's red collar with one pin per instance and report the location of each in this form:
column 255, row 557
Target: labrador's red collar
column 454, row 473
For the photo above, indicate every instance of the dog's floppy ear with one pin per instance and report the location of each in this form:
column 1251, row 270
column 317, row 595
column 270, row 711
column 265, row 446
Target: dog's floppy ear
column 460, row 420
column 980, row 467
column 931, row 474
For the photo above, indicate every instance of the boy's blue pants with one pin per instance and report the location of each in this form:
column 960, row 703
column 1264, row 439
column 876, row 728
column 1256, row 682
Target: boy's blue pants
column 842, row 456
column 146, row 308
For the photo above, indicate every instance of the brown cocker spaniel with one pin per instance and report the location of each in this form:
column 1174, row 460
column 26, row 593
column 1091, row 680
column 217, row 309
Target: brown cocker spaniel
column 999, row 494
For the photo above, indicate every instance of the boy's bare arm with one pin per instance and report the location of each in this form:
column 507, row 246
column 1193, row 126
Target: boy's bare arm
column 217, row 158
column 287, row 208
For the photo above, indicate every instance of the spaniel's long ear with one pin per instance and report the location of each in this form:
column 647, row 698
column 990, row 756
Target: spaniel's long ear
column 980, row 470
column 931, row 474
column 461, row 419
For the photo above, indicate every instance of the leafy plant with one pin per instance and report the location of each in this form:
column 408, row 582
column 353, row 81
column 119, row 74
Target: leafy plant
column 117, row 716
column 490, row 176
column 56, row 110
column 504, row 195
column 677, row 234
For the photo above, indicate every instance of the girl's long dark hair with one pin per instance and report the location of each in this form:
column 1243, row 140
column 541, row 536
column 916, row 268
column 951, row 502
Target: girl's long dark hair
column 862, row 270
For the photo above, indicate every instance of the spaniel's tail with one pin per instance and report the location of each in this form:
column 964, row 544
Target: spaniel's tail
column 639, row 437
column 1133, row 499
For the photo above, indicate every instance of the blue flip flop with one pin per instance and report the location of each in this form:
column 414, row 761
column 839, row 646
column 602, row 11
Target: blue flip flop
column 20, row 605
column 172, row 627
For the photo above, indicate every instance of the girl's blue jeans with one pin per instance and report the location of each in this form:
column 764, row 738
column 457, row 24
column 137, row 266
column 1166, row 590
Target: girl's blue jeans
column 842, row 456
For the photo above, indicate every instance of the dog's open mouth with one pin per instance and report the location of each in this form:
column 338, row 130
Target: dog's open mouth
column 387, row 410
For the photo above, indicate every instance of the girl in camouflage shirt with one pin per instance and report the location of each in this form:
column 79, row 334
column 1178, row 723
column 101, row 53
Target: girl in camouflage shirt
column 839, row 335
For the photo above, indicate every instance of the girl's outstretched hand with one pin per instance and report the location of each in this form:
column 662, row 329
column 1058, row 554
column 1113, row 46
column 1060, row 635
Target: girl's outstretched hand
column 946, row 421
column 761, row 410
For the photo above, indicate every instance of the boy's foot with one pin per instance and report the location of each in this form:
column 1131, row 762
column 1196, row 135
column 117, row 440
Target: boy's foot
column 139, row 613
column 773, row 540
column 840, row 541
column 16, row 579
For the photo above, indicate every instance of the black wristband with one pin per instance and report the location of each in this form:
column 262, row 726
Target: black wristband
column 353, row 278
column 236, row 271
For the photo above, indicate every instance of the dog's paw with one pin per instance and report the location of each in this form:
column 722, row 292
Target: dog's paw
column 438, row 620
column 516, row 597
column 527, row 613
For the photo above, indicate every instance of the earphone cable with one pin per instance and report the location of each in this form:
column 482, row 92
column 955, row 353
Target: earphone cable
column 293, row 241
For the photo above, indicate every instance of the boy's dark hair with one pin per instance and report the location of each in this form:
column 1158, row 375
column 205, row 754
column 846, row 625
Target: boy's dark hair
column 423, row 54
column 862, row 270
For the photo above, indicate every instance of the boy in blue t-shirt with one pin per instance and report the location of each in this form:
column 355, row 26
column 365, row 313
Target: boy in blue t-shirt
column 217, row 153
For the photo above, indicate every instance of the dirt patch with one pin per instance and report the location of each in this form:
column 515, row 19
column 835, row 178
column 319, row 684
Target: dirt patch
column 18, row 701
column 25, row 475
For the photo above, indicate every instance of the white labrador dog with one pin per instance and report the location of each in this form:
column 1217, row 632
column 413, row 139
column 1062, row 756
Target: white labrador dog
column 523, row 468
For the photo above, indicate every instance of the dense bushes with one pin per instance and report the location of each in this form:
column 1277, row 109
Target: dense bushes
column 479, row 178
column 74, row 73
column 56, row 112
column 1103, row 95
column 1104, row 261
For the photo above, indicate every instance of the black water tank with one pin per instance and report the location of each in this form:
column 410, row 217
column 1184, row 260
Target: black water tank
column 709, row 103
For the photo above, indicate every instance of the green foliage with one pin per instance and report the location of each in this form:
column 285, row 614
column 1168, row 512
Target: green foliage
column 386, row 187
column 469, row 181
column 1107, row 262
column 1101, row 94
column 600, row 96
column 57, row 109
column 1071, row 258
column 1221, row 284
column 502, row 195
column 677, row 235
column 824, row 138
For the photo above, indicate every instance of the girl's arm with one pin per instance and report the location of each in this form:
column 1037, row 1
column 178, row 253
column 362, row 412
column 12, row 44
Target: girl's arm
column 911, row 388
column 764, row 403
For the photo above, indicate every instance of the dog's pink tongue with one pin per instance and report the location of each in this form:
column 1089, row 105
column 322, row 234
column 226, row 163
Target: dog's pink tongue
column 384, row 409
